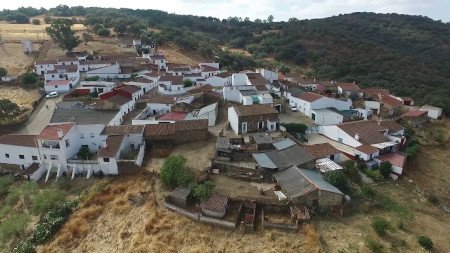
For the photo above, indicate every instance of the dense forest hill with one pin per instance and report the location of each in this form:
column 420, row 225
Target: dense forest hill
column 409, row 55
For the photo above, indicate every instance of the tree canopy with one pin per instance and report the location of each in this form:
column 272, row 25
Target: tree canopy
column 61, row 32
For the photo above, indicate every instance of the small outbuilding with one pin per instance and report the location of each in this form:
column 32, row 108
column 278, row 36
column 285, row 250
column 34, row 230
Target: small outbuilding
column 215, row 206
column 181, row 196
column 433, row 112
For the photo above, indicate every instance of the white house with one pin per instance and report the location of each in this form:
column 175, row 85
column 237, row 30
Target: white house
column 93, row 64
column 110, row 72
column 366, row 138
column 97, row 86
column 233, row 93
column 43, row 66
column 209, row 69
column 63, row 72
column 20, row 150
column 60, row 86
column 252, row 118
column 220, row 80
column 160, row 60
column 433, row 112
column 65, row 61
column 327, row 116
column 145, row 86
column 208, row 112
column 374, row 106
column 308, row 101
column 171, row 85
column 269, row 75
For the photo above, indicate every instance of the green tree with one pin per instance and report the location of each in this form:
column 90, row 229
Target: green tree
column 338, row 179
column 270, row 19
column 3, row 72
column 8, row 109
column 293, row 128
column 120, row 29
column 385, row 169
column 61, row 32
column 87, row 37
column 173, row 172
column 84, row 153
column 283, row 68
column 188, row 83
column 35, row 21
column 29, row 78
column 103, row 32
column 203, row 191
column 425, row 242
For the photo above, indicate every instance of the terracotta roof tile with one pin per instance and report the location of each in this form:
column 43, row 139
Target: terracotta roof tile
column 159, row 130
column 191, row 125
column 129, row 88
column 123, row 130
column 387, row 99
column 252, row 110
column 367, row 149
column 256, row 79
column 207, row 68
column 118, row 100
column 394, row 158
column 414, row 114
column 224, row 74
column 215, row 203
column 171, row 78
column 50, row 132
column 321, row 150
column 176, row 116
column 369, row 130
column 18, row 140
column 310, row 97
column 113, row 144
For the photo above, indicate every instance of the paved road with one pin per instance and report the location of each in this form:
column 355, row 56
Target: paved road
column 40, row 117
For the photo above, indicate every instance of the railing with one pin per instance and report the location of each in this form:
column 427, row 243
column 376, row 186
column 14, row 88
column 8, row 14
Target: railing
column 76, row 161
column 48, row 146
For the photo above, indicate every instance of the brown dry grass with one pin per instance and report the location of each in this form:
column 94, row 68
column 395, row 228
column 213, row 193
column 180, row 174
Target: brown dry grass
column 175, row 55
column 22, row 97
column 14, row 61
column 152, row 228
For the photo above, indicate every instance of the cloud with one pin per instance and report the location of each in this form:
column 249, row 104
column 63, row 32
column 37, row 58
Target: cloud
column 280, row 9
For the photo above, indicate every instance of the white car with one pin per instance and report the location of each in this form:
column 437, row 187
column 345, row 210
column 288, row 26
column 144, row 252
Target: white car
column 293, row 108
column 52, row 94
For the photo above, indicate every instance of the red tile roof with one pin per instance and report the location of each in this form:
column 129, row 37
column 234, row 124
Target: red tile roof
column 310, row 97
column 369, row 130
column 367, row 149
column 177, row 116
column 50, row 132
column 18, row 140
column 113, row 144
column 254, row 110
column 118, row 100
column 215, row 203
column 123, row 130
column 391, row 101
column 394, row 158
column 129, row 88
column 172, row 128
column 207, row 68
column 159, row 130
column 414, row 114
column 191, row 125
column 321, row 150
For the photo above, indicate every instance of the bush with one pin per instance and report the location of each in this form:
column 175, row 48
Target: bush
column 425, row 242
column 385, row 169
column 84, row 153
column 412, row 151
column 188, row 83
column 5, row 182
column 104, row 32
column 433, row 199
column 374, row 174
column 94, row 78
column 46, row 200
column 35, row 21
column 47, row 19
column 3, row 72
column 381, row 225
column 14, row 225
column 368, row 192
column 293, row 128
column 29, row 78
column 173, row 173
column 351, row 170
column 373, row 245
column 338, row 179
column 203, row 191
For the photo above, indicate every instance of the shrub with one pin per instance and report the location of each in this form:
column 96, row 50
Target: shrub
column 425, row 242
column 14, row 225
column 368, row 192
column 373, row 245
column 84, row 153
column 47, row 19
column 433, row 199
column 293, row 128
column 104, row 32
column 5, row 182
column 29, row 78
column 380, row 225
column 188, row 83
column 412, row 151
column 3, row 72
column 46, row 200
column 351, row 170
column 203, row 191
column 173, row 173
column 35, row 21
column 374, row 174
column 385, row 169
column 94, row 78
column 338, row 179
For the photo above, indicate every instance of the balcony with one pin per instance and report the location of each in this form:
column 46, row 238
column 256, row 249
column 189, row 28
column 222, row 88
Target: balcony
column 50, row 145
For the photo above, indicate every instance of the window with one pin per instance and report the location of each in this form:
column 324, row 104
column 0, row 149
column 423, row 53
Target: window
column 21, row 156
column 34, row 157
column 53, row 75
column 56, row 86
column 45, row 157
column 82, row 136
column 106, row 159
column 92, row 135
column 67, row 143
column 53, row 157
column 7, row 155
column 132, row 146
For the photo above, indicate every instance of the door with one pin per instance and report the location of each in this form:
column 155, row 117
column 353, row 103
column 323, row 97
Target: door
column 260, row 125
column 244, row 127
column 313, row 116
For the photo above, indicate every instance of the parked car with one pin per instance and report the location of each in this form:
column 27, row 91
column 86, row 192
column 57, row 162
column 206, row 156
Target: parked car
column 52, row 94
column 293, row 108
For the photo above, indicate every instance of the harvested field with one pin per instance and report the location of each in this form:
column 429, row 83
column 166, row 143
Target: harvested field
column 116, row 226
column 175, row 55
column 22, row 97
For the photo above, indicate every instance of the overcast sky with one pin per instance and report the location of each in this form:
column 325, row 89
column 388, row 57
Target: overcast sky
column 280, row 9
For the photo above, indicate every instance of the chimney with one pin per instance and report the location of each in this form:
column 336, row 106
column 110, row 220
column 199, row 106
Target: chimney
column 104, row 145
column 357, row 136
column 60, row 133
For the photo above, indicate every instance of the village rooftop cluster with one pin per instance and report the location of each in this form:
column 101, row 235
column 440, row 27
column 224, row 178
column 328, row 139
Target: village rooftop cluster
column 115, row 111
